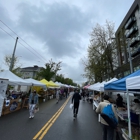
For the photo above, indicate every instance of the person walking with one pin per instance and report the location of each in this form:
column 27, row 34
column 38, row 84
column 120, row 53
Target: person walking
column 108, row 131
column 57, row 95
column 66, row 92
column 76, row 100
column 33, row 102
column 83, row 94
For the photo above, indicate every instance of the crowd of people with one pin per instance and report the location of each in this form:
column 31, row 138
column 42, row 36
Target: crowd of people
column 84, row 95
column 108, row 130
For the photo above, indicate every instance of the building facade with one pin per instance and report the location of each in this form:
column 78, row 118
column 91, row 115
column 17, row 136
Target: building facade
column 30, row 72
column 128, row 42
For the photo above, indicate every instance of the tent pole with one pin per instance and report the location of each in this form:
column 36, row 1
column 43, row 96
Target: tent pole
column 129, row 119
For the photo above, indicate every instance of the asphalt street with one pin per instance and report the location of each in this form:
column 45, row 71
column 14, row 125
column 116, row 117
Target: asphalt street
column 52, row 122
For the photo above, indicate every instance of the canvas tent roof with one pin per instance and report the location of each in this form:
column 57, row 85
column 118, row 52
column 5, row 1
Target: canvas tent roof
column 35, row 82
column 133, row 82
column 86, row 86
column 53, row 84
column 102, row 86
column 98, row 86
column 48, row 84
column 91, row 87
column 120, row 85
column 13, row 79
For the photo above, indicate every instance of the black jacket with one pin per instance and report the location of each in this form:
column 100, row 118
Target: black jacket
column 76, row 97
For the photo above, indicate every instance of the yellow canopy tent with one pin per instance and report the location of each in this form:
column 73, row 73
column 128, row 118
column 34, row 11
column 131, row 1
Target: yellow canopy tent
column 48, row 84
column 44, row 81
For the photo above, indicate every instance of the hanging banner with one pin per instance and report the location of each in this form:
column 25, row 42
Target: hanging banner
column 3, row 88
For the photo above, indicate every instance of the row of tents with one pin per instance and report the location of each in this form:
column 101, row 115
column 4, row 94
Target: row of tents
column 128, row 84
column 15, row 80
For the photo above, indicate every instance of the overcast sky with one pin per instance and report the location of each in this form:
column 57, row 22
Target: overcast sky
column 55, row 29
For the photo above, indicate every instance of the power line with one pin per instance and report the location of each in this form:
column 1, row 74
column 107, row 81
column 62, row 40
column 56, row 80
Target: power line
column 7, row 33
column 22, row 39
column 19, row 42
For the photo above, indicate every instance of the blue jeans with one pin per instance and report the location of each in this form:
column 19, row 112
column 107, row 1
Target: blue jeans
column 108, row 132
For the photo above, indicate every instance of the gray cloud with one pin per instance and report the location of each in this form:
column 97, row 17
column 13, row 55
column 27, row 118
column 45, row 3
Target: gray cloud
column 56, row 30
column 58, row 25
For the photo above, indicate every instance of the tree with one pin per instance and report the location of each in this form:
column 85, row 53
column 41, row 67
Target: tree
column 101, row 53
column 16, row 64
column 60, row 78
column 7, row 61
column 50, row 70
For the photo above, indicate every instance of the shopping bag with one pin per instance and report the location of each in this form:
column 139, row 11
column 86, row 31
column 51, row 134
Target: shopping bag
column 108, row 115
column 71, row 106
column 36, row 110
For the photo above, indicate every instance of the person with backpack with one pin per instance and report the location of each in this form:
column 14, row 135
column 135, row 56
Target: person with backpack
column 108, row 130
column 76, row 100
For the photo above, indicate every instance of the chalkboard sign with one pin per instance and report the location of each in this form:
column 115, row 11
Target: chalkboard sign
column 26, row 103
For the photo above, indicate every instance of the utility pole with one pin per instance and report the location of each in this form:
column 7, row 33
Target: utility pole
column 13, row 56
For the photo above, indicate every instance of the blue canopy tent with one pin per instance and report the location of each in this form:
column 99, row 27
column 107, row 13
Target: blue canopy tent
column 120, row 85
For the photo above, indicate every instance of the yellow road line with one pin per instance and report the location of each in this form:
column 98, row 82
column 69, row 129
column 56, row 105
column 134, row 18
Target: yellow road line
column 47, row 126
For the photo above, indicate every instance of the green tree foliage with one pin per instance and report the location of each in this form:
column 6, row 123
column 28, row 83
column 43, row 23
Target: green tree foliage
column 49, row 71
column 101, row 53
column 60, row 78
column 16, row 64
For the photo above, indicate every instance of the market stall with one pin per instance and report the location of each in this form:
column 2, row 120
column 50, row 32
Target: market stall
column 13, row 99
column 3, row 88
column 39, row 87
column 51, row 88
column 120, row 85
column 133, row 84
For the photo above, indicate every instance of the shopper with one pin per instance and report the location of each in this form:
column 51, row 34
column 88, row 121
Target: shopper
column 119, row 101
column 76, row 100
column 57, row 95
column 33, row 103
column 108, row 131
column 136, row 106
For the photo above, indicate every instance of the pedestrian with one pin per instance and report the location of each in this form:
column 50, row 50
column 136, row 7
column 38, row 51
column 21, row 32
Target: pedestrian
column 136, row 106
column 66, row 92
column 83, row 94
column 57, row 95
column 119, row 101
column 33, row 103
column 76, row 100
column 108, row 131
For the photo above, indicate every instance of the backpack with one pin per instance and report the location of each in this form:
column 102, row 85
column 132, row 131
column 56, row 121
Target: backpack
column 108, row 115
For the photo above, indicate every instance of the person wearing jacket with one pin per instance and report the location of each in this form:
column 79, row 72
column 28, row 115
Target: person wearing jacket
column 136, row 107
column 76, row 100
column 108, row 131
column 33, row 101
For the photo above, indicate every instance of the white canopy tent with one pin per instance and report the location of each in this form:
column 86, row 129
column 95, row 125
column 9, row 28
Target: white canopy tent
column 35, row 82
column 102, row 86
column 59, row 84
column 132, row 83
column 13, row 79
column 91, row 87
column 97, row 86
